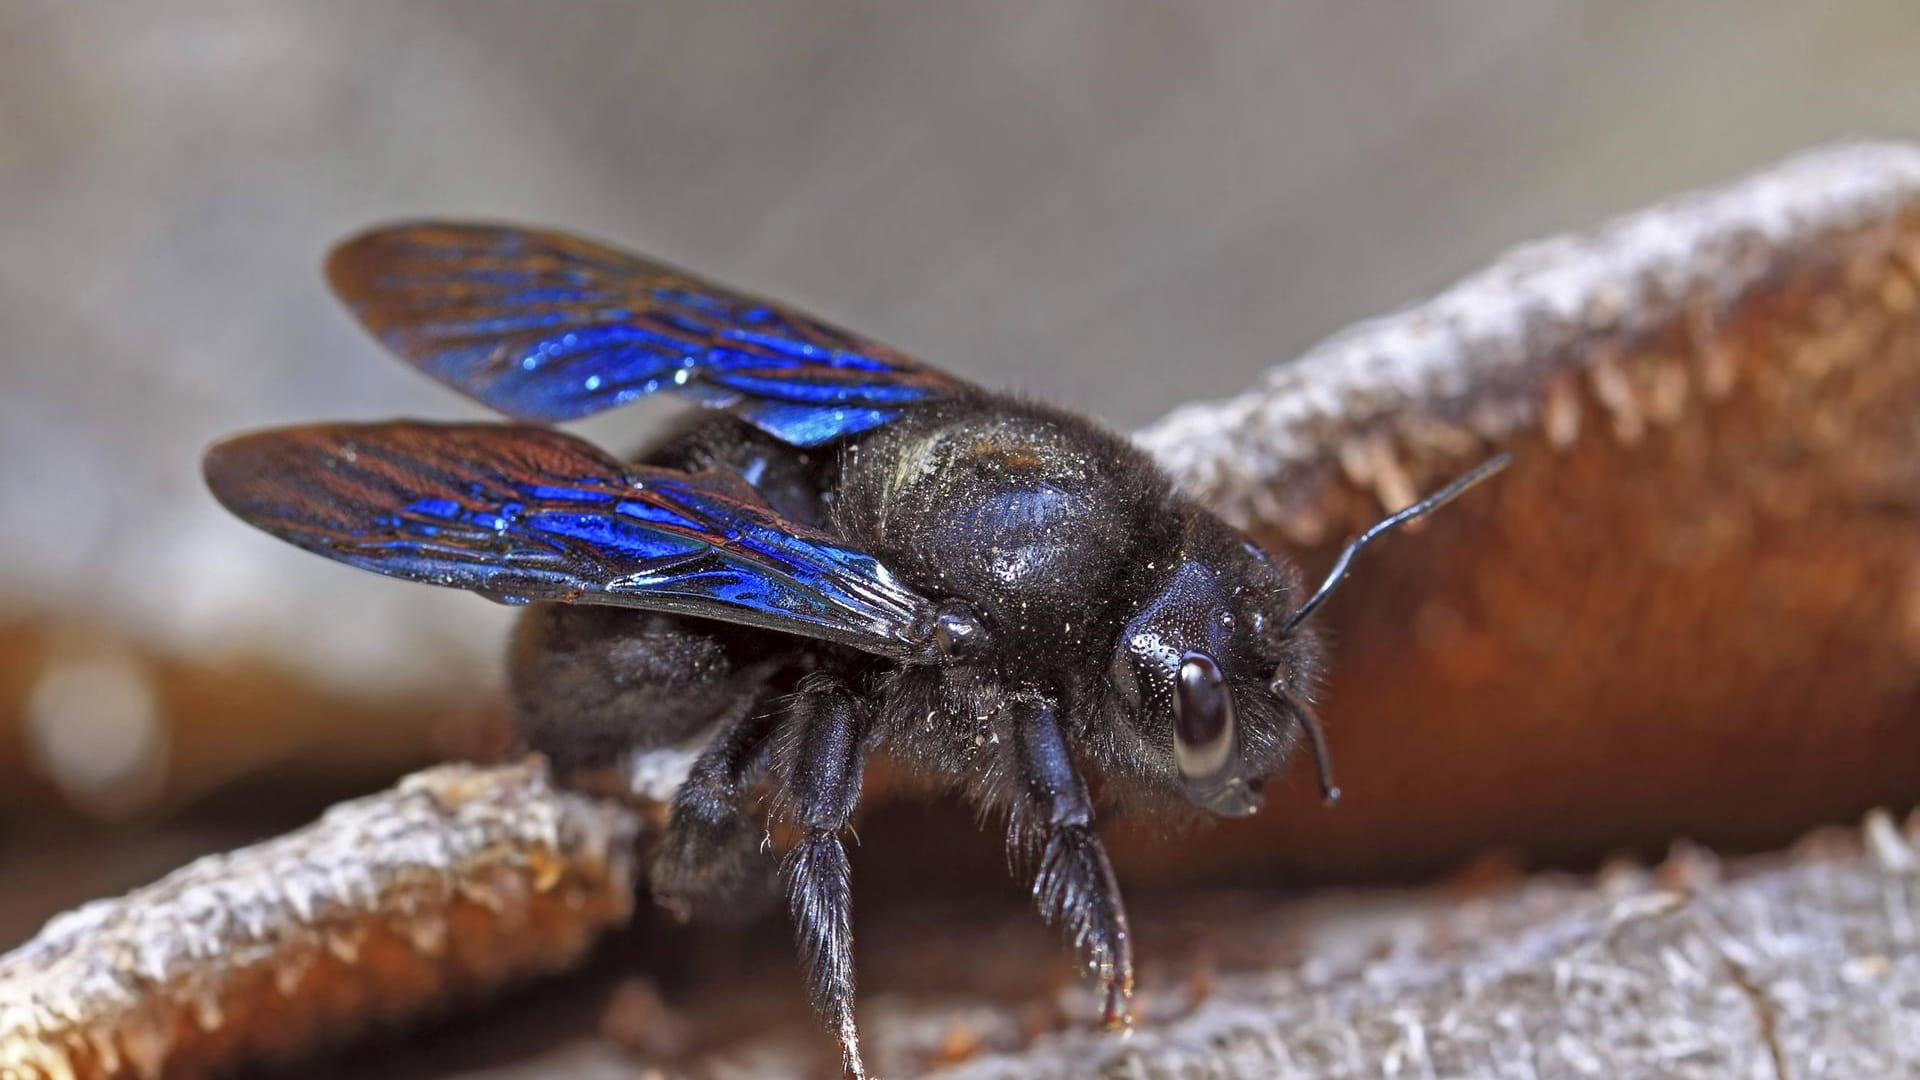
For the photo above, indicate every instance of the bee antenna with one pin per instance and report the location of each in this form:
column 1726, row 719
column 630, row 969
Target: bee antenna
column 1345, row 562
column 1316, row 740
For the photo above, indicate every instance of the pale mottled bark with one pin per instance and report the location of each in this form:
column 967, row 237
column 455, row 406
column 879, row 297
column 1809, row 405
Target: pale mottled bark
column 449, row 883
column 1803, row 967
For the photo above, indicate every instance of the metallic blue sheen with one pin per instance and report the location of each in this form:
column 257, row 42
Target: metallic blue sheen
column 803, row 393
column 503, row 512
column 544, row 326
column 808, row 425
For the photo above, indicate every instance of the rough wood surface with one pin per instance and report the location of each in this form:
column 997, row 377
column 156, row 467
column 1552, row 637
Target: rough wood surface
column 1692, row 608
column 450, row 883
column 1802, row 965
column 1805, row 964
column 1808, row 966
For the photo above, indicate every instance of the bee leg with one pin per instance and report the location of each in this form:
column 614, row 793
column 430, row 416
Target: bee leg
column 1051, row 842
column 819, row 748
column 710, row 850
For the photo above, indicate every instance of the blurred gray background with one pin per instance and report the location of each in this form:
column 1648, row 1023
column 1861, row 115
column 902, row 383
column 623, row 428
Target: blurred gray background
column 1116, row 206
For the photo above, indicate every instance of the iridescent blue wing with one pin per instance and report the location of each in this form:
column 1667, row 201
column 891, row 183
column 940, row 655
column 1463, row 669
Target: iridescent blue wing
column 526, row 513
column 544, row 326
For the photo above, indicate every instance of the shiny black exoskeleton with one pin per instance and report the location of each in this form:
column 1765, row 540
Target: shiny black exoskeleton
column 865, row 556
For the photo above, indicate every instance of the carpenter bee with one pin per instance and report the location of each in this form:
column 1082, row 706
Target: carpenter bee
column 857, row 554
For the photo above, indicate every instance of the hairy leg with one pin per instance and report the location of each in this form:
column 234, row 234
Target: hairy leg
column 1051, row 842
column 710, row 850
column 597, row 688
column 820, row 761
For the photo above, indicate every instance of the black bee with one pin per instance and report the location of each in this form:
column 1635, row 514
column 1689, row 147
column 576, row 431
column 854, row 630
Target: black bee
column 860, row 554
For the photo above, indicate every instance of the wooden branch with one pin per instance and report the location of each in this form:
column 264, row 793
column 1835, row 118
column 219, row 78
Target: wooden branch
column 447, row 885
column 1793, row 965
column 1746, row 361
column 1807, row 965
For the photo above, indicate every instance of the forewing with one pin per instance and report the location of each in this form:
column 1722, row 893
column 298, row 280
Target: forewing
column 545, row 326
column 526, row 513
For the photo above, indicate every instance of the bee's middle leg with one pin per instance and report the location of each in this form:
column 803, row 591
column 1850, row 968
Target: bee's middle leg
column 820, row 759
column 595, row 688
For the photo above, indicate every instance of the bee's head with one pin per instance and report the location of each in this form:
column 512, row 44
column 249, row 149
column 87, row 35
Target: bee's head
column 1216, row 669
column 1213, row 677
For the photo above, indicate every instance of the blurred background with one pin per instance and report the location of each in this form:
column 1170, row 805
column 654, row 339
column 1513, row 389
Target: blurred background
column 1117, row 207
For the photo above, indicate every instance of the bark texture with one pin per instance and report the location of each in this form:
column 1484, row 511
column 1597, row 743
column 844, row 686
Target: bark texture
column 444, row 886
column 1797, row 967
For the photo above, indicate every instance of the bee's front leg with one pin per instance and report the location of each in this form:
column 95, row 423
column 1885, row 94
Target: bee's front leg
column 820, row 757
column 1051, row 841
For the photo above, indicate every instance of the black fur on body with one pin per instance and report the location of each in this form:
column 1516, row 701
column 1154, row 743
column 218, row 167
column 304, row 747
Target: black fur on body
column 1095, row 584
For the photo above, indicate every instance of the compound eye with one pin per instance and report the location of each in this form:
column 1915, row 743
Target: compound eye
column 1202, row 718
